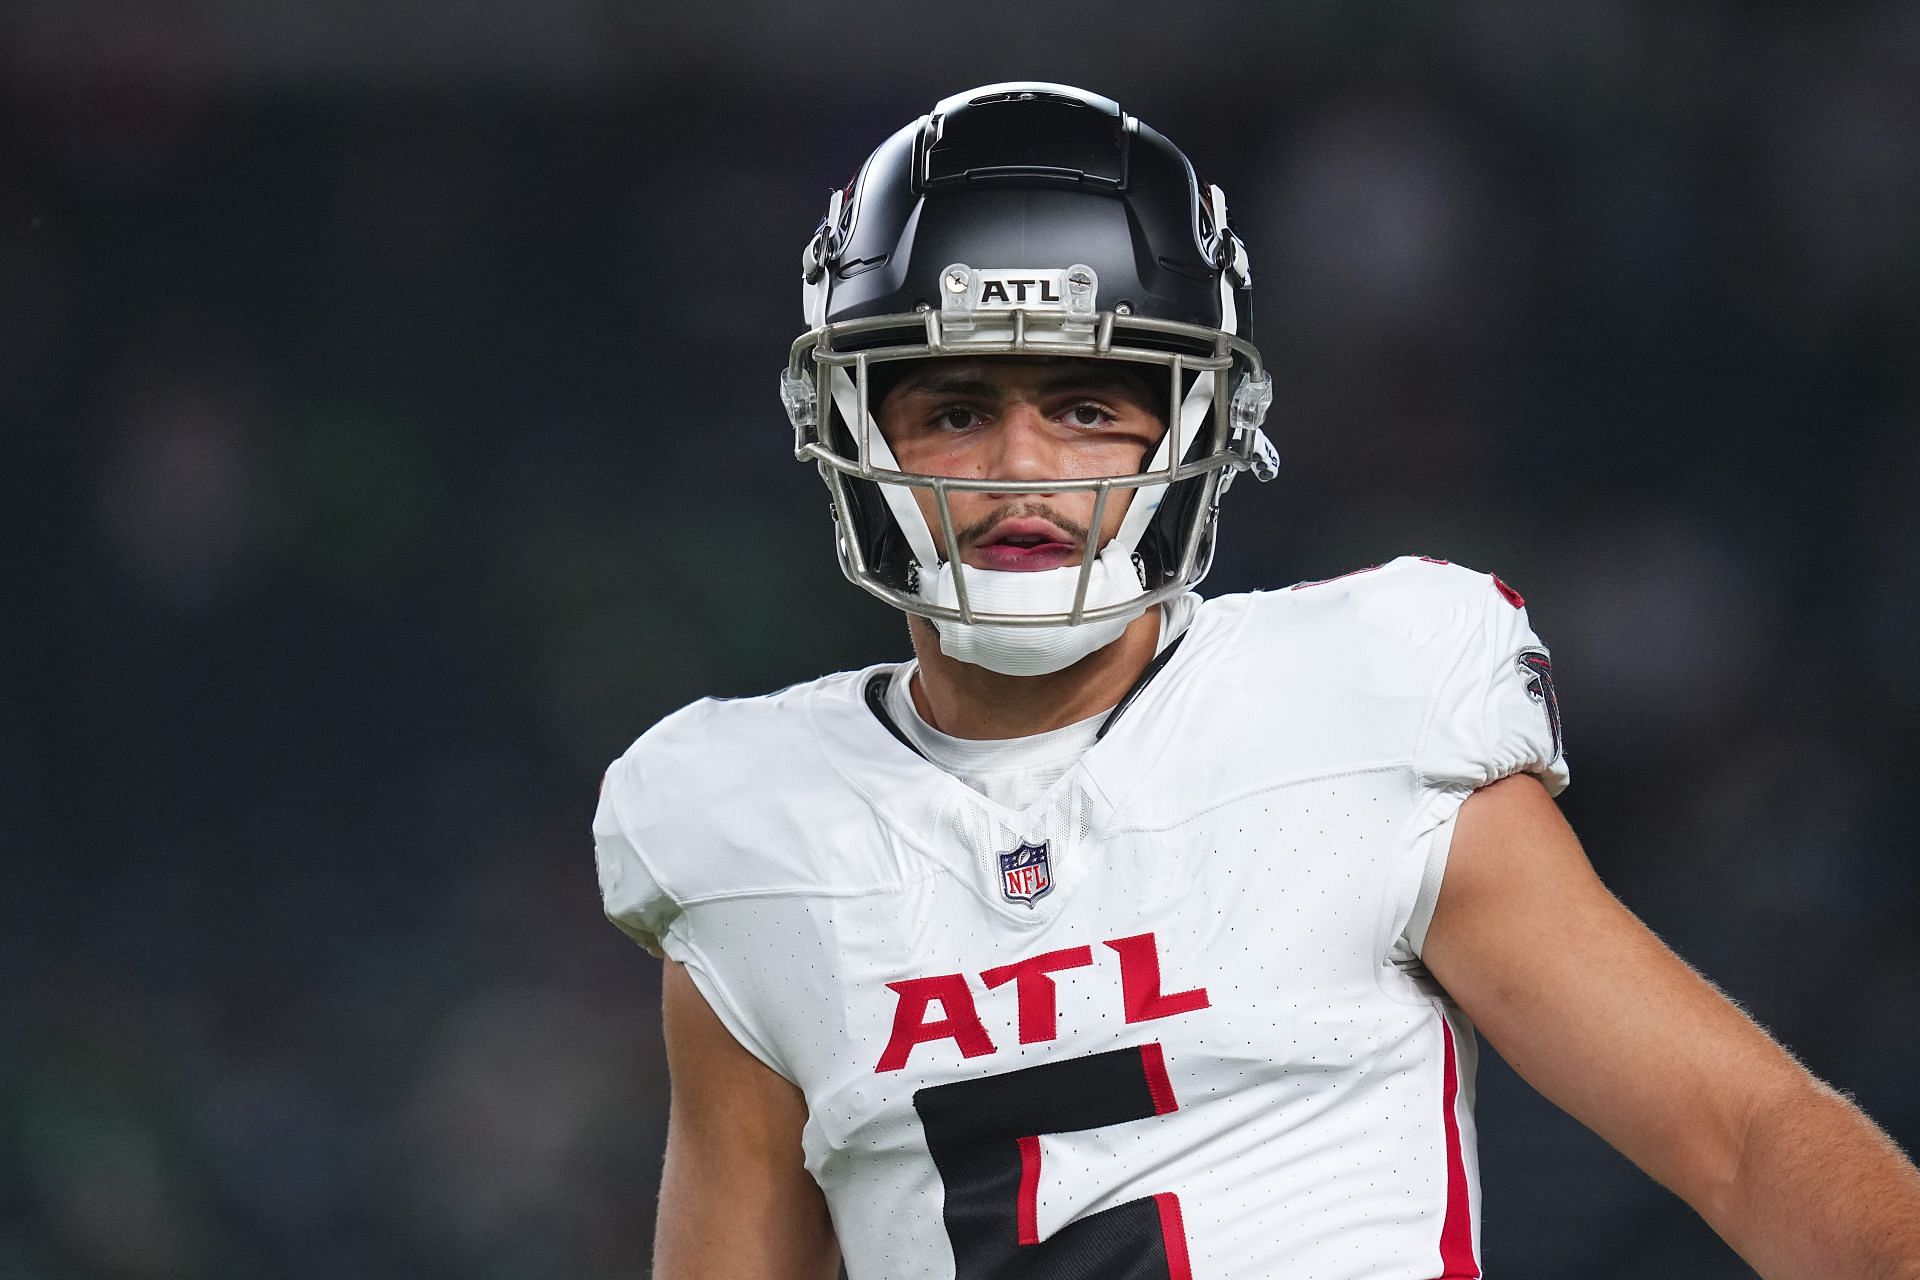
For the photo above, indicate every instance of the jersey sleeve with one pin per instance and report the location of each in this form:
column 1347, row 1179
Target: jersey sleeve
column 1495, row 711
column 717, row 805
column 630, row 892
column 641, row 903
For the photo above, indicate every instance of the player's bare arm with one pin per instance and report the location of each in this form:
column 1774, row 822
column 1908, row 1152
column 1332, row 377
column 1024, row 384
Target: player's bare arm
column 1595, row 1012
column 736, row 1202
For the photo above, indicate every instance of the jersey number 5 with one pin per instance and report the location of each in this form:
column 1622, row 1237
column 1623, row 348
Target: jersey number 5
column 984, row 1134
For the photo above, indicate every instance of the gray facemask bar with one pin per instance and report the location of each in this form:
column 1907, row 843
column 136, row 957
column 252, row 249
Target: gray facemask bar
column 1237, row 443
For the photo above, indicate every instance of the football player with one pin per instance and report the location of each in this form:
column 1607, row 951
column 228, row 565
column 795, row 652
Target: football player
column 1121, row 933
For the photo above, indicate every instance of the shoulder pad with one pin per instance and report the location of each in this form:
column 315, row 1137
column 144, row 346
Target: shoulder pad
column 1417, row 659
column 717, row 800
column 1418, row 598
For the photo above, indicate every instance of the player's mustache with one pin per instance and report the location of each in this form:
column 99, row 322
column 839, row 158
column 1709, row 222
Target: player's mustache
column 1025, row 509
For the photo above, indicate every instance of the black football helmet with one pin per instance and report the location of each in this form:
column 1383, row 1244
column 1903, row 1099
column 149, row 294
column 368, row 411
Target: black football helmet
column 1028, row 219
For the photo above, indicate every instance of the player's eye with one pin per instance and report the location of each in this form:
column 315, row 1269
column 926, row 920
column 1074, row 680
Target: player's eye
column 956, row 418
column 1089, row 414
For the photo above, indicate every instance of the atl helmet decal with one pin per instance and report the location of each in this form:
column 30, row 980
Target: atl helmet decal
column 1537, row 667
column 1026, row 873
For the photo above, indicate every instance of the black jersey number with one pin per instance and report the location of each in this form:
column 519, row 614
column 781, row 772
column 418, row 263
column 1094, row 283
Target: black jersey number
column 984, row 1134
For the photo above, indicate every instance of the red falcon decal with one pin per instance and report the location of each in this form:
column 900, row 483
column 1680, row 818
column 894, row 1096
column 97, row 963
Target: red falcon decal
column 1537, row 667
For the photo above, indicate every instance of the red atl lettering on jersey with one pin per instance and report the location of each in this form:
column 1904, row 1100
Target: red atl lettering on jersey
column 961, row 1024
column 1140, row 982
column 1036, row 995
column 1033, row 984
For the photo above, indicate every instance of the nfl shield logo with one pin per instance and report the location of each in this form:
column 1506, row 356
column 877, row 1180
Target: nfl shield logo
column 1025, row 873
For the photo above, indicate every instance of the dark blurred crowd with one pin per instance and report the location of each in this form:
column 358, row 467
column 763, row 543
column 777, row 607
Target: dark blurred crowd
column 382, row 449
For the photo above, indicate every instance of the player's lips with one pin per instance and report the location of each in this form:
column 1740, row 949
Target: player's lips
column 1024, row 546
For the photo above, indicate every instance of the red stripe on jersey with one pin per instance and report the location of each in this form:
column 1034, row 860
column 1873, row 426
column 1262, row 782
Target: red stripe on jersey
column 1456, row 1228
column 1173, row 1231
column 1154, row 1062
column 1029, row 1208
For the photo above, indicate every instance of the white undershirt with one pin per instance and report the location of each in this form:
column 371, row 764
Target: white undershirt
column 1014, row 772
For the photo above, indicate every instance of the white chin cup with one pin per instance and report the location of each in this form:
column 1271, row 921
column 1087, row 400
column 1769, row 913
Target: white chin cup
column 1033, row 650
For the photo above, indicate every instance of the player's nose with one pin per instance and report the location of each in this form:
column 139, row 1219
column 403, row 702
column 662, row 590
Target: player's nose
column 1025, row 446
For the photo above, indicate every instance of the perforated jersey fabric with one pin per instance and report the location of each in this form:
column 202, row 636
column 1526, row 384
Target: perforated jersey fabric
column 1200, row 1049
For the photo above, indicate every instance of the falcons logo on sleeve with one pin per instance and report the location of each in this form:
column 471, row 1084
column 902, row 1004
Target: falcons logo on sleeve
column 1537, row 667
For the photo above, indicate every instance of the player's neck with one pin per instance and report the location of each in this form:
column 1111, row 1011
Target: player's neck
column 967, row 701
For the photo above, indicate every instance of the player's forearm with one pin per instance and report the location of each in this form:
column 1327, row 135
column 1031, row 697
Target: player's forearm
column 1816, row 1191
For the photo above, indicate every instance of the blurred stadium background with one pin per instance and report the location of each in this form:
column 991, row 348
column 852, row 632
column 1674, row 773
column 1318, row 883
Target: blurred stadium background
column 388, row 433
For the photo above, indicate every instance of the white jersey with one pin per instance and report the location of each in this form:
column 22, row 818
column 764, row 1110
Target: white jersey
column 1151, row 1024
